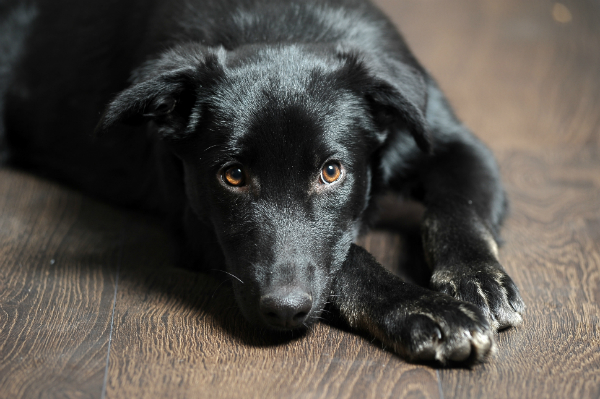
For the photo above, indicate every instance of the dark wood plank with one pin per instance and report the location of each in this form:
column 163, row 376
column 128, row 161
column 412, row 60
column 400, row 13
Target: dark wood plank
column 529, row 85
column 179, row 334
column 58, row 252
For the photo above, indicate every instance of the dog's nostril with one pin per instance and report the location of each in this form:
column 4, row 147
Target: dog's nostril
column 301, row 315
column 287, row 308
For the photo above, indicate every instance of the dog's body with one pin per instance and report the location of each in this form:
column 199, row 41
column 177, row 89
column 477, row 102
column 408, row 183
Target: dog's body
column 263, row 130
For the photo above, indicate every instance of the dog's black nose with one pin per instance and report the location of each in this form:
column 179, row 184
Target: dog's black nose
column 286, row 308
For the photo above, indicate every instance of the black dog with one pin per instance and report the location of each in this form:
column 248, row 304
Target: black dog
column 269, row 127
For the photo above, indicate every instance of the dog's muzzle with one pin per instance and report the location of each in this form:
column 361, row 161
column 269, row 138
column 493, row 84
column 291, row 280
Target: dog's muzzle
column 286, row 307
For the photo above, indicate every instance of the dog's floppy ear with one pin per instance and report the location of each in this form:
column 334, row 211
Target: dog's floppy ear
column 396, row 93
column 165, row 91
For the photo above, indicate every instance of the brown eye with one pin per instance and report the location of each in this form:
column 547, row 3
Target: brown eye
column 331, row 172
column 234, row 176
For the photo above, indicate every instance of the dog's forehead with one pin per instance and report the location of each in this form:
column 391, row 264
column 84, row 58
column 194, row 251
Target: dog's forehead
column 269, row 81
column 286, row 105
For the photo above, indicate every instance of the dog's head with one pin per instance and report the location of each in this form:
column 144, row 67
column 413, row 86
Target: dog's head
column 281, row 147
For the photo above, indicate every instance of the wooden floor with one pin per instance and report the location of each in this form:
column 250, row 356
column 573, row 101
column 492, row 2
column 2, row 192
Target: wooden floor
column 91, row 306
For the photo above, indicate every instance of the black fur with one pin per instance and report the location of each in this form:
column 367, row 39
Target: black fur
column 181, row 93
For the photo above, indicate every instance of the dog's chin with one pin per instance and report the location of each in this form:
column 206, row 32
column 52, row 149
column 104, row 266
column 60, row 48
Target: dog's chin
column 278, row 329
column 262, row 322
column 304, row 325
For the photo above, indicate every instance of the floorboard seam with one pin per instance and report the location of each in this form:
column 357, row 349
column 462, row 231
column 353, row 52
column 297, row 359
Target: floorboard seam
column 437, row 373
column 112, row 316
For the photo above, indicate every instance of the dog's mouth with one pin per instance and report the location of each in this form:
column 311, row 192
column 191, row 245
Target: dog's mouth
column 286, row 308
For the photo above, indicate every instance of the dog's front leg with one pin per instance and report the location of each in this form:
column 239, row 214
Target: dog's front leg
column 419, row 324
column 463, row 255
column 465, row 205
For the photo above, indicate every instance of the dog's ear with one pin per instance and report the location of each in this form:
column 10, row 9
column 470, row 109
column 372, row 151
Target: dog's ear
column 165, row 91
column 396, row 93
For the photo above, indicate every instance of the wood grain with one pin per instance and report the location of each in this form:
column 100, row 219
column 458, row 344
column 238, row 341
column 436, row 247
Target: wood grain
column 528, row 85
column 179, row 334
column 58, row 253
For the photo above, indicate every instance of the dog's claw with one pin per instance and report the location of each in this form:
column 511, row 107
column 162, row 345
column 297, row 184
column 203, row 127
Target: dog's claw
column 489, row 288
column 444, row 330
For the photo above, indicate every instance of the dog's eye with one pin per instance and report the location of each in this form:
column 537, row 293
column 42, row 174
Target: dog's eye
column 331, row 172
column 235, row 176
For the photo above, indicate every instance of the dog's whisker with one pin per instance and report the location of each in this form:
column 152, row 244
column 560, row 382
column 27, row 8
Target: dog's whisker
column 217, row 289
column 237, row 278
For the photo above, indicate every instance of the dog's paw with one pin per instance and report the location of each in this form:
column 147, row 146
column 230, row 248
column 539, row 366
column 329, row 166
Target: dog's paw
column 489, row 288
column 440, row 328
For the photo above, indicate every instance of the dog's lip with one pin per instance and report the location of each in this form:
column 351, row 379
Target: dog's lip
column 305, row 325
